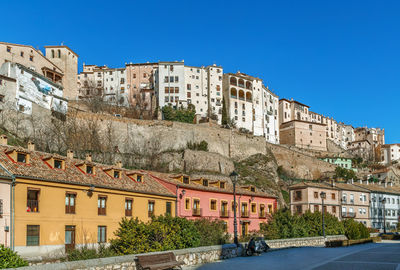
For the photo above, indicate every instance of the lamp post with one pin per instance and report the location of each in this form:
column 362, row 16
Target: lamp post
column 234, row 177
column 323, row 196
column 384, row 215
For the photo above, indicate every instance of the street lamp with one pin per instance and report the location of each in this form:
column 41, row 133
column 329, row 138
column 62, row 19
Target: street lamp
column 234, row 176
column 383, row 201
column 323, row 196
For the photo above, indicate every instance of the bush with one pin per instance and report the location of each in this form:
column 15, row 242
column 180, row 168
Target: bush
column 345, row 173
column 201, row 146
column 355, row 230
column 10, row 259
column 159, row 234
column 212, row 232
column 181, row 114
column 86, row 253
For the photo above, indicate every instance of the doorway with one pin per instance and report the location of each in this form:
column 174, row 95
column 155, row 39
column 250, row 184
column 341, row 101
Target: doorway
column 69, row 238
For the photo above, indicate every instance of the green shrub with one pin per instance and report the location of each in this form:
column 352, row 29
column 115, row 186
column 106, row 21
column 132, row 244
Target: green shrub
column 181, row 114
column 212, row 232
column 10, row 259
column 201, row 146
column 86, row 253
column 159, row 234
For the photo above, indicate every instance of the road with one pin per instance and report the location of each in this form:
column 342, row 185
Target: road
column 382, row 256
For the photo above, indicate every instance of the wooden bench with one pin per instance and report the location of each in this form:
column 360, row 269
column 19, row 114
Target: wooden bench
column 159, row 261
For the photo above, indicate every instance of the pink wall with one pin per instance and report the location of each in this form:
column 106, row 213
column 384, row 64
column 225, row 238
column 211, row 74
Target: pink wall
column 205, row 198
column 5, row 217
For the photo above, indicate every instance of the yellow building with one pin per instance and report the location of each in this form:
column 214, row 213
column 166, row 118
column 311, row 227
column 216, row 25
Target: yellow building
column 61, row 202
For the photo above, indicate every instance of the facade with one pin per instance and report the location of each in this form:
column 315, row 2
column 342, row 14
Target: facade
column 390, row 153
column 30, row 89
column 207, row 198
column 341, row 162
column 62, row 202
column 375, row 137
column 385, row 204
column 362, row 149
column 345, row 135
column 60, row 64
column 303, row 134
column 270, row 103
column 306, row 196
column 354, row 203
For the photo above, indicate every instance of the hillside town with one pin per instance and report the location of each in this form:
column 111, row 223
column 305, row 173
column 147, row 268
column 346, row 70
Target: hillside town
column 59, row 189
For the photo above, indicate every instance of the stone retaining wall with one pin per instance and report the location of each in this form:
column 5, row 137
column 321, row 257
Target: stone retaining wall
column 190, row 256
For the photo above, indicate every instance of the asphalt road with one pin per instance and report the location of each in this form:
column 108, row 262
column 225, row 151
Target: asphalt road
column 382, row 256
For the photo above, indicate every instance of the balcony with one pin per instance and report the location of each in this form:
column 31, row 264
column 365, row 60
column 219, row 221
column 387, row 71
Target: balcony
column 196, row 212
column 244, row 214
column 262, row 215
column 348, row 214
column 270, row 113
column 347, row 201
column 224, row 213
column 32, row 206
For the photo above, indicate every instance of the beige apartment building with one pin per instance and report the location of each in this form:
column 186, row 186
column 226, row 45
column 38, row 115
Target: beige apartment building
column 303, row 134
column 306, row 196
column 59, row 64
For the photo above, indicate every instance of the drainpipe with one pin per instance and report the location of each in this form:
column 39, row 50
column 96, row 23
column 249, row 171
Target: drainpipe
column 176, row 201
column 12, row 207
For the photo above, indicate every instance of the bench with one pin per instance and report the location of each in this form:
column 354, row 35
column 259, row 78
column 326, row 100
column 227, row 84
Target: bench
column 159, row 261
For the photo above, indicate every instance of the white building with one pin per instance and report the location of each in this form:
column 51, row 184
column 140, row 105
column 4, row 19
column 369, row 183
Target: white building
column 270, row 111
column 30, row 89
column 170, row 84
column 390, row 153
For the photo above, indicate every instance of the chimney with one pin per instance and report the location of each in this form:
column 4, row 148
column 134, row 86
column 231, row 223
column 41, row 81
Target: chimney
column 89, row 157
column 31, row 146
column 119, row 164
column 3, row 139
column 70, row 154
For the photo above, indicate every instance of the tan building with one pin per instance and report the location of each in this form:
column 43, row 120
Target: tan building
column 303, row 134
column 290, row 110
column 306, row 196
column 60, row 64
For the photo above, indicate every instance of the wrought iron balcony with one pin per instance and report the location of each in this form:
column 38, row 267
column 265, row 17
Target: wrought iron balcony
column 196, row 212
column 224, row 213
column 348, row 214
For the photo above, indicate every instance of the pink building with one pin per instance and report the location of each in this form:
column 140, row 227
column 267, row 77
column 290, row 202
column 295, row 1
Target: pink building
column 5, row 222
column 206, row 198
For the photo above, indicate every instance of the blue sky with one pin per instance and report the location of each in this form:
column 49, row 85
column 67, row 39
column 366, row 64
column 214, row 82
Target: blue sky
column 339, row 57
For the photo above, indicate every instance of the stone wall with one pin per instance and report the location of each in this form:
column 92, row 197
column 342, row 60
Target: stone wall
column 191, row 256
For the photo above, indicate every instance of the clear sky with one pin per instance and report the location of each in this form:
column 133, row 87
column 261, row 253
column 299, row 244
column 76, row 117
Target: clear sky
column 339, row 57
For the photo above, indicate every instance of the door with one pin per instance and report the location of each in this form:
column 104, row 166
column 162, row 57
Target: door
column 245, row 227
column 69, row 238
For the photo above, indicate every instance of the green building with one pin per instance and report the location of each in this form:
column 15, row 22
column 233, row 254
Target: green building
column 341, row 162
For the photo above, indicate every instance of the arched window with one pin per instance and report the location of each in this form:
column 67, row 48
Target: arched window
column 59, row 53
column 248, row 96
column 241, row 94
column 241, row 83
column 233, row 93
column 233, row 81
column 248, row 85
column 298, row 116
column 52, row 53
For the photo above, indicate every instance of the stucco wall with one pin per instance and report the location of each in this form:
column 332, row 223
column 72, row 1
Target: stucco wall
column 5, row 217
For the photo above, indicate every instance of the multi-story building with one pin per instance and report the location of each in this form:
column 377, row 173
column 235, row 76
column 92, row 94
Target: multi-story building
column 108, row 84
column 60, row 64
column 390, row 153
column 59, row 202
column 384, row 204
column 303, row 134
column 26, row 90
column 213, row 199
column 354, row 203
column 341, row 162
column 306, row 196
column 362, row 149
column 345, row 135
column 375, row 137
column 270, row 103
column 290, row 110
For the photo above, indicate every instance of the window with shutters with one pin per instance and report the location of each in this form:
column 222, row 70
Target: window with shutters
column 150, row 208
column 128, row 207
column 101, row 205
column 70, row 200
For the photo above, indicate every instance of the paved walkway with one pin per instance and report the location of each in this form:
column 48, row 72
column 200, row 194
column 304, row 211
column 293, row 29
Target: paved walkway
column 382, row 256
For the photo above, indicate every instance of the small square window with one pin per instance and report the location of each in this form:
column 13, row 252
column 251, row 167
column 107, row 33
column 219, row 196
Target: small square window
column 57, row 164
column 139, row 178
column 21, row 157
column 117, row 174
column 89, row 169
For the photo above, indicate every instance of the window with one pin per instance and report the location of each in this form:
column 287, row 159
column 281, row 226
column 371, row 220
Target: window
column 213, row 205
column 333, row 196
column 176, row 79
column 205, row 182
column 222, row 185
column 334, row 209
column 187, row 203
column 21, row 157
column 299, row 209
column 128, row 207
column 101, row 205
column 31, row 58
column 189, row 86
column 70, row 199
column 171, row 79
column 32, row 235
column 22, row 54
column 252, row 189
column 101, row 234
column 8, row 49
column 168, row 208
column 316, row 208
column 117, row 174
column 32, row 200
column 253, row 207
column 89, row 169
column 186, row 180
column 297, row 195
column 139, row 178
column 316, row 195
column 1, row 208
column 150, row 208
column 58, row 164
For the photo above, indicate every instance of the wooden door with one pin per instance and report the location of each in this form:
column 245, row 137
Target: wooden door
column 69, row 238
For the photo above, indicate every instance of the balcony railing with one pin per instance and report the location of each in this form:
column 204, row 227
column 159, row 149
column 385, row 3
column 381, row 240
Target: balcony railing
column 244, row 214
column 348, row 214
column 196, row 212
column 262, row 215
column 32, row 206
column 224, row 213
column 270, row 112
